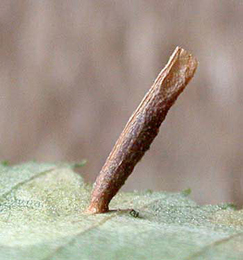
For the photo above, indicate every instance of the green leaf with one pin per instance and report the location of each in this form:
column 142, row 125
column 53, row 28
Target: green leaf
column 4, row 163
column 42, row 217
column 187, row 192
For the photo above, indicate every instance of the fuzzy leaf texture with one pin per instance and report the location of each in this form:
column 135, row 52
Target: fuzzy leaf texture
column 41, row 217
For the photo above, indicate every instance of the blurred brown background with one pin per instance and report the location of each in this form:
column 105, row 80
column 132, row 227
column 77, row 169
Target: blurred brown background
column 72, row 72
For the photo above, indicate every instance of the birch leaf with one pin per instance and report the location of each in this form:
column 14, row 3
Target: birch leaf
column 42, row 217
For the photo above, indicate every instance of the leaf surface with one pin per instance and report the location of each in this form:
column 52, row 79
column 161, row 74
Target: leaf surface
column 42, row 217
